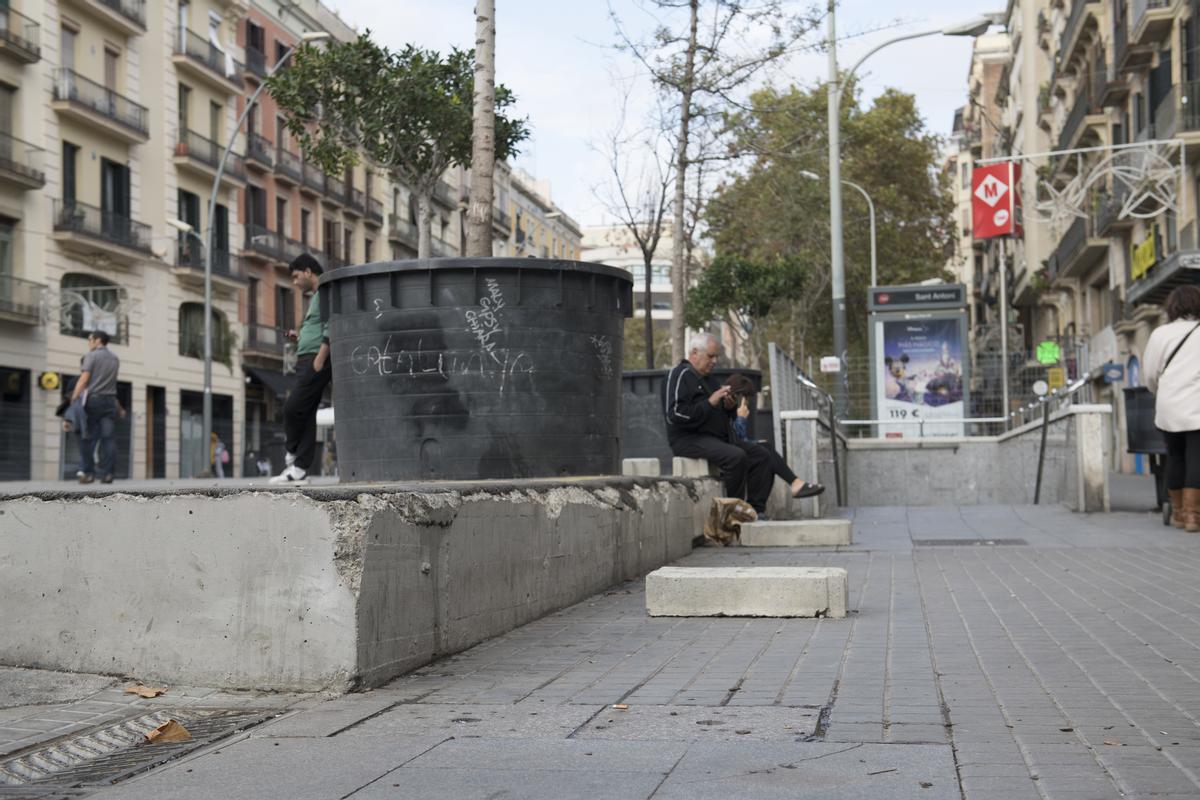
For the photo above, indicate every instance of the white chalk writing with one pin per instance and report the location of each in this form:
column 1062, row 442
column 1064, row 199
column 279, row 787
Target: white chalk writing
column 365, row 360
column 485, row 323
column 604, row 353
column 378, row 308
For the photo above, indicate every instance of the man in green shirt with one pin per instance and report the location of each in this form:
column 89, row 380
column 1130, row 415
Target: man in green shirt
column 312, row 376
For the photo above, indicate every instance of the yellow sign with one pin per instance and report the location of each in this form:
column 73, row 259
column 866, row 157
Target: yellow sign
column 1056, row 377
column 1143, row 256
column 48, row 381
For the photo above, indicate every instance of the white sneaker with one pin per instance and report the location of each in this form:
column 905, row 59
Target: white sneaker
column 288, row 458
column 291, row 476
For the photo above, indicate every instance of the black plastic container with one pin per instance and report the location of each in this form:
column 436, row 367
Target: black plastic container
column 465, row 368
column 643, row 427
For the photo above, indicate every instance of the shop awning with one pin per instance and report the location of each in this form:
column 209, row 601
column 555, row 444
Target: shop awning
column 277, row 382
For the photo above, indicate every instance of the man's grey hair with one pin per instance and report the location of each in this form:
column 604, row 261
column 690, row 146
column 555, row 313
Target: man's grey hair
column 699, row 341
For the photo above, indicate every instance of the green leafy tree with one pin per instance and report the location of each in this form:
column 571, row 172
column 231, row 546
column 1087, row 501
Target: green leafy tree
column 742, row 291
column 409, row 113
column 770, row 210
column 636, row 351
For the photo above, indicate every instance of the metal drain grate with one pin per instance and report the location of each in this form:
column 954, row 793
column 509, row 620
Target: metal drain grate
column 113, row 752
column 966, row 542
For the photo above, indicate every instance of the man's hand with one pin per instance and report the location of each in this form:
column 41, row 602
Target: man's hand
column 719, row 395
column 320, row 358
column 291, row 335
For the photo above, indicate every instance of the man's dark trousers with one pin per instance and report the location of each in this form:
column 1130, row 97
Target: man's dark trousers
column 101, row 424
column 300, row 410
column 745, row 467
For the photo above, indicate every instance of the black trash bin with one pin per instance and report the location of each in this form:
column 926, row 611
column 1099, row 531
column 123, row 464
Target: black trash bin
column 464, row 368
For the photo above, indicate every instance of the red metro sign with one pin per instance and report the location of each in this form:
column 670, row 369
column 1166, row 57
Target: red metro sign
column 995, row 205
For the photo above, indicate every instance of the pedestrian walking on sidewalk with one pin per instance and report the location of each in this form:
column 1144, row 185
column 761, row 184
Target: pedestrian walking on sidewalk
column 98, row 379
column 1172, row 366
column 312, row 376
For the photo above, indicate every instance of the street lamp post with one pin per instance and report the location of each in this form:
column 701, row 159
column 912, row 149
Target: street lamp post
column 207, row 244
column 837, row 84
column 870, row 208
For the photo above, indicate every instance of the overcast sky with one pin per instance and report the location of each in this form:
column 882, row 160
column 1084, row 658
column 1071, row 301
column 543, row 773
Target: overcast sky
column 557, row 56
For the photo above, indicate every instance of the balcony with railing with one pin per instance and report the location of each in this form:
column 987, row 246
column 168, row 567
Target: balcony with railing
column 20, row 37
column 256, row 62
column 1109, row 205
column 445, row 194
column 89, row 229
column 402, row 231
column 203, row 60
column 1166, row 114
column 1189, row 117
column 501, row 221
column 293, row 248
column 204, row 156
column 129, row 16
column 227, row 269
column 21, row 163
column 314, row 179
column 259, row 151
column 262, row 242
column 21, row 300
column 99, row 107
column 1150, row 20
column 264, row 341
column 1080, row 248
column 374, row 212
column 1074, row 122
column 288, row 167
column 1070, row 41
column 335, row 191
column 356, row 201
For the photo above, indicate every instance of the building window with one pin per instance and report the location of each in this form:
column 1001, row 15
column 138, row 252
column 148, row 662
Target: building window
column 185, row 102
column 89, row 304
column 368, row 250
column 348, row 245
column 281, row 216
column 191, row 331
column 305, row 222
column 66, row 44
column 70, row 155
column 285, row 308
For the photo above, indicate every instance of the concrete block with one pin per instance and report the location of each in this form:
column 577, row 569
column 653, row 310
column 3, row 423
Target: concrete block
column 797, row 533
column 747, row 592
column 692, row 468
column 640, row 467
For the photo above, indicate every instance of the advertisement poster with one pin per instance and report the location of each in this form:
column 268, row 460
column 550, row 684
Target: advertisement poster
column 921, row 376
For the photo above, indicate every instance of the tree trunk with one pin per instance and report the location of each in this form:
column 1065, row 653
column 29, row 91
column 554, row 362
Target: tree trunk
column 424, row 223
column 483, row 134
column 649, row 314
column 678, row 280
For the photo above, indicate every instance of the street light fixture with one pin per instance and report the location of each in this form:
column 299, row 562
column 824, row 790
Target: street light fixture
column 870, row 207
column 972, row 27
column 207, row 245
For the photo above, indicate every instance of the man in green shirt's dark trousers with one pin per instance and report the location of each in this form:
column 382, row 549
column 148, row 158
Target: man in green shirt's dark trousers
column 312, row 376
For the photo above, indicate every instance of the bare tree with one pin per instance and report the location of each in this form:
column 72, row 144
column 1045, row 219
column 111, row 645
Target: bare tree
column 639, row 164
column 699, row 66
column 483, row 134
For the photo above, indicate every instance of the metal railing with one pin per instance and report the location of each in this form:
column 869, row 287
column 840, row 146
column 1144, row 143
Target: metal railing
column 208, row 55
column 375, row 210
column 119, row 229
column 402, row 230
column 256, row 61
column 357, row 200
column 207, row 152
column 21, row 33
column 1083, row 103
column 189, row 255
column 445, row 194
column 21, row 158
column 1164, row 115
column 314, row 179
column 263, row 240
column 132, row 10
column 1139, row 8
column 73, row 87
column 289, row 165
column 1190, row 118
column 335, row 189
column 265, row 339
column 260, row 149
column 21, row 298
column 793, row 390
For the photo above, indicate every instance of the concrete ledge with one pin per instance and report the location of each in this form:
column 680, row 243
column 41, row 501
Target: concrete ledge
column 692, row 468
column 322, row 588
column 797, row 533
column 747, row 592
column 640, row 467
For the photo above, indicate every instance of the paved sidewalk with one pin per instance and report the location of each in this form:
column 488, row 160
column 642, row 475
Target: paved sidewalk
column 992, row 652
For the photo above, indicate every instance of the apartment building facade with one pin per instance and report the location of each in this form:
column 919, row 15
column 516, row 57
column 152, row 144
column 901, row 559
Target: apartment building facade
column 1100, row 77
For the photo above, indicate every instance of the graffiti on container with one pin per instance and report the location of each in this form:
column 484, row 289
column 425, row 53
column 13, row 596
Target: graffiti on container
column 365, row 360
column 485, row 323
column 604, row 352
column 378, row 308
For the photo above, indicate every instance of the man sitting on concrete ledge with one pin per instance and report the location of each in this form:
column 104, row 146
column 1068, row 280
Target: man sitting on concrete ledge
column 698, row 426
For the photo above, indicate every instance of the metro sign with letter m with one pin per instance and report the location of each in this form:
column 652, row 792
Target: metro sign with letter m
column 995, row 206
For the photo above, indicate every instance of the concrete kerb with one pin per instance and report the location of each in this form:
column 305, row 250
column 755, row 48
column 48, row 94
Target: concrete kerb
column 797, row 533
column 747, row 592
column 321, row 588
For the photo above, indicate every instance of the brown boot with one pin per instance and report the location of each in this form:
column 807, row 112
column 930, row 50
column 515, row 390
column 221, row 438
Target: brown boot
column 1191, row 510
column 1176, row 496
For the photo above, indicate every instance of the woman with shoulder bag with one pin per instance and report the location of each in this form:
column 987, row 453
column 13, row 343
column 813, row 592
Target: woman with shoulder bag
column 1172, row 367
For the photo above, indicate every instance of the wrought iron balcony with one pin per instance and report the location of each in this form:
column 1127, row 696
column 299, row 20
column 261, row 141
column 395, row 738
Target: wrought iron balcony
column 288, row 166
column 20, row 37
column 293, row 248
column 259, row 150
column 1083, row 104
column 263, row 241
column 211, row 61
column 1074, row 23
column 356, row 201
column 335, row 190
column 1165, row 114
column 91, row 101
column 196, row 149
column 314, row 179
column 1189, row 120
column 21, row 163
column 445, row 194
column 21, row 300
column 78, row 219
column 129, row 15
column 374, row 211
column 256, row 61
column 265, row 340
column 1149, row 20
column 225, row 266
column 401, row 230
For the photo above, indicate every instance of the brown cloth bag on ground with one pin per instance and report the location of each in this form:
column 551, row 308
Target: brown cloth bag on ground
column 725, row 518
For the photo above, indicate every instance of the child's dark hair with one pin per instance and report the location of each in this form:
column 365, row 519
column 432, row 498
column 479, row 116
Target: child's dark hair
column 741, row 385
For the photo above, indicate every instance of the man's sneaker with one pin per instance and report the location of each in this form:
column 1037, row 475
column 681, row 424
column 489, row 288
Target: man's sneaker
column 291, row 476
column 288, row 458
